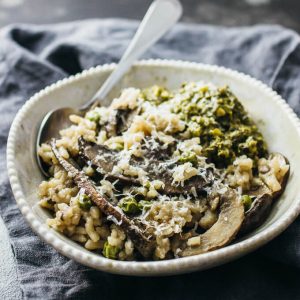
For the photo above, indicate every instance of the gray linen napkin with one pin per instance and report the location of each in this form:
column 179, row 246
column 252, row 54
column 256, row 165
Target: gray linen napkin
column 32, row 57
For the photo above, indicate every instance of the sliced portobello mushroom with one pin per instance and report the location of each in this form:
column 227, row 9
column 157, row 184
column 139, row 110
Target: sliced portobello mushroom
column 154, row 149
column 124, row 118
column 224, row 230
column 264, row 197
column 257, row 214
column 104, row 160
column 144, row 244
column 119, row 121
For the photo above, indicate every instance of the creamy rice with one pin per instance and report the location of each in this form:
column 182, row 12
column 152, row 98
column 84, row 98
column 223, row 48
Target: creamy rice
column 167, row 215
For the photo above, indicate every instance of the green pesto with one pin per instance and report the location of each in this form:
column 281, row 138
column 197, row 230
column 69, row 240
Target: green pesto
column 110, row 251
column 84, row 202
column 221, row 122
column 217, row 117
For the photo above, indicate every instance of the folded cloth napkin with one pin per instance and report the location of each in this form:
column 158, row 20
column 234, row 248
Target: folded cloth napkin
column 32, row 57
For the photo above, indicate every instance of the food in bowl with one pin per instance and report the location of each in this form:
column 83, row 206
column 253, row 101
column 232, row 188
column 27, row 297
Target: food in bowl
column 161, row 174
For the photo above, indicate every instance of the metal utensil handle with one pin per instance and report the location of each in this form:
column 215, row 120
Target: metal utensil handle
column 160, row 17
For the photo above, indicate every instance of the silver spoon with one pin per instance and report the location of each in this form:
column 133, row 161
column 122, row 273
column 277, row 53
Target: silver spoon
column 160, row 17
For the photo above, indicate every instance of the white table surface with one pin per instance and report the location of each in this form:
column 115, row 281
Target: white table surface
column 9, row 286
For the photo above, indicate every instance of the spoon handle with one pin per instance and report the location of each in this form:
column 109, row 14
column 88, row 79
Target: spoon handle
column 160, row 17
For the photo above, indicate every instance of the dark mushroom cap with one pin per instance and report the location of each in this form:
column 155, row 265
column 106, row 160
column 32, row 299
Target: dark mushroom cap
column 104, row 159
column 224, row 230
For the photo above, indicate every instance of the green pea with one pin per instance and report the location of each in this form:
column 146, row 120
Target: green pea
column 247, row 201
column 188, row 157
column 84, row 202
column 110, row 251
column 220, row 112
column 129, row 205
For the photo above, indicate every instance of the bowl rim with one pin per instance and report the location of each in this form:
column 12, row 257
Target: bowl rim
column 137, row 268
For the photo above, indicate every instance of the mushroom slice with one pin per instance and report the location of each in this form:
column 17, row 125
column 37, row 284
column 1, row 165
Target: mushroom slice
column 119, row 121
column 257, row 214
column 224, row 230
column 104, row 159
column 144, row 244
column 261, row 206
column 124, row 118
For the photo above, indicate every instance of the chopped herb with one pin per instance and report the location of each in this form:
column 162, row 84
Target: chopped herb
column 110, row 251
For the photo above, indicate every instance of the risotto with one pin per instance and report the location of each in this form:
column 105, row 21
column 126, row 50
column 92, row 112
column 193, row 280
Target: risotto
column 161, row 174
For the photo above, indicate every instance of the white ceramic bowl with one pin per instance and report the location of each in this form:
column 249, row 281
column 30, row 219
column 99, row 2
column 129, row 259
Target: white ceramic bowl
column 274, row 117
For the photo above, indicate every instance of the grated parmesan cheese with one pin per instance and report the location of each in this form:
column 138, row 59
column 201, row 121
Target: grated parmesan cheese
column 183, row 172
